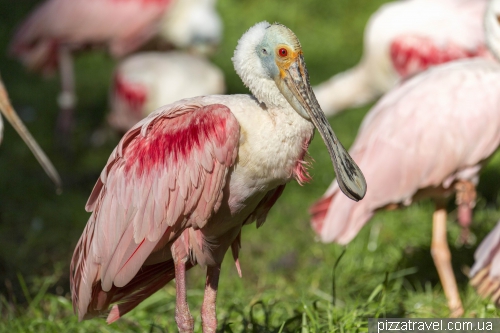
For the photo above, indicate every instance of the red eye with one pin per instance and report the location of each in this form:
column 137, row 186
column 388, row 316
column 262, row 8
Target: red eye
column 283, row 52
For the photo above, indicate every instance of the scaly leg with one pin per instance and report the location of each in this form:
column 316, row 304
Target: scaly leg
column 442, row 259
column 183, row 317
column 465, row 201
column 67, row 97
column 208, row 311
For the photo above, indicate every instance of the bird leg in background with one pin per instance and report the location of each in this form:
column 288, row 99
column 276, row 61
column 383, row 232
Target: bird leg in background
column 183, row 317
column 442, row 260
column 67, row 96
column 208, row 313
column 465, row 201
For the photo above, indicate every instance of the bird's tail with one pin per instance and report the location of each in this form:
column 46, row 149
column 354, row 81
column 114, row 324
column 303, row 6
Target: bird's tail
column 148, row 280
column 485, row 274
column 336, row 218
column 34, row 52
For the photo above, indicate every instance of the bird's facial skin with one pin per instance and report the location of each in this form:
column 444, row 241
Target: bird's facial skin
column 281, row 56
column 284, row 58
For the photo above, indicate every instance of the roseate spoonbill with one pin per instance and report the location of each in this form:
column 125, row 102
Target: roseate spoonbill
column 182, row 182
column 146, row 81
column 428, row 138
column 10, row 114
column 485, row 274
column 401, row 39
column 56, row 28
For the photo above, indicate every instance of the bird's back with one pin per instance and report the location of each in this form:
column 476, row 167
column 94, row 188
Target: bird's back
column 420, row 33
column 120, row 25
column 146, row 81
column 433, row 129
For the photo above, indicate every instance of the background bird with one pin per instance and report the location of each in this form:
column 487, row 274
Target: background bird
column 182, row 183
column 10, row 114
column 485, row 274
column 427, row 138
column 46, row 40
column 145, row 81
column 402, row 39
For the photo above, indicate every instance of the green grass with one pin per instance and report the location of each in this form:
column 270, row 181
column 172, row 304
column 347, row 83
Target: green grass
column 287, row 275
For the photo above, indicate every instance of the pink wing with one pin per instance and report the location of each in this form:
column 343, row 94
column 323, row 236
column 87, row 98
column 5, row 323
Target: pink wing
column 417, row 34
column 122, row 25
column 411, row 54
column 433, row 129
column 166, row 175
column 485, row 274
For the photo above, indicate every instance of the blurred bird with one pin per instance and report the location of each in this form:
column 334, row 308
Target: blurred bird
column 182, row 182
column 192, row 24
column 57, row 28
column 145, row 81
column 485, row 274
column 402, row 39
column 10, row 114
column 427, row 138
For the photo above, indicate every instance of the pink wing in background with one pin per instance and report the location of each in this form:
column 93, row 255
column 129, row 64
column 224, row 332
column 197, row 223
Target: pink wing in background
column 485, row 274
column 122, row 25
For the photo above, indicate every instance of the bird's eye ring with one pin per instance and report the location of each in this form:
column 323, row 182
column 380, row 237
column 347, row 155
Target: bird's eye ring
column 283, row 52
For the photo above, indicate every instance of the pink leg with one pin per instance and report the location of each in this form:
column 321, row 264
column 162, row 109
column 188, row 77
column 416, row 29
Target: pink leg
column 183, row 317
column 442, row 259
column 465, row 201
column 67, row 97
column 208, row 310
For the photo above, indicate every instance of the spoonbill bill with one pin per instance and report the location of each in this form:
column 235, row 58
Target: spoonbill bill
column 402, row 39
column 145, row 81
column 427, row 138
column 182, row 182
column 10, row 114
column 46, row 40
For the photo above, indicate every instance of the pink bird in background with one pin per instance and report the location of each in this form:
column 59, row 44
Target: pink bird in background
column 147, row 80
column 427, row 138
column 402, row 39
column 46, row 40
column 183, row 182
column 8, row 111
column 485, row 274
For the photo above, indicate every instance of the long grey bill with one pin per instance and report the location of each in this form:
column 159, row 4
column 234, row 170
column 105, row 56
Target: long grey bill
column 9, row 113
column 349, row 177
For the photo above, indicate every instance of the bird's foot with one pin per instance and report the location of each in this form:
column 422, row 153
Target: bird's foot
column 456, row 311
column 185, row 321
column 208, row 309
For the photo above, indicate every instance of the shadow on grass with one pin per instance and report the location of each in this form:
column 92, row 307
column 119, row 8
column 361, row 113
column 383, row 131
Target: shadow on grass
column 251, row 322
column 421, row 259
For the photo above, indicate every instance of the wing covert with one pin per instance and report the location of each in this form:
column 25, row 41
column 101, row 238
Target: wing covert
column 166, row 174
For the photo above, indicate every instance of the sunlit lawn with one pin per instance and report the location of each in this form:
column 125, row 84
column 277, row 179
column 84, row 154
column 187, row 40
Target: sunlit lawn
column 288, row 277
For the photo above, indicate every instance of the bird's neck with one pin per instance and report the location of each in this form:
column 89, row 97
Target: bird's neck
column 266, row 91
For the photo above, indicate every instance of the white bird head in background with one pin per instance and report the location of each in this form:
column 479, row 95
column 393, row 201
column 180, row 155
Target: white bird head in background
column 270, row 62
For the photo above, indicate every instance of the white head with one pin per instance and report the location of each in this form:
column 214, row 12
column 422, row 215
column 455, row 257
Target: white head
column 269, row 60
column 492, row 25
